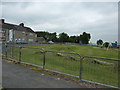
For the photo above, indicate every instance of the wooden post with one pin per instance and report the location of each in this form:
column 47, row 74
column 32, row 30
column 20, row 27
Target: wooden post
column 20, row 48
column 44, row 59
column 6, row 49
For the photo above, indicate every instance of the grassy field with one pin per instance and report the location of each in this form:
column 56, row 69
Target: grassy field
column 102, row 73
column 83, row 50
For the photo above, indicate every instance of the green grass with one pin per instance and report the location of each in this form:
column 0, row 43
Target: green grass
column 83, row 50
column 106, row 74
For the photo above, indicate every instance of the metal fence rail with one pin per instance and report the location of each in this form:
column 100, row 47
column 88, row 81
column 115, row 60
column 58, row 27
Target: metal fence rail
column 64, row 62
column 97, row 70
column 101, row 70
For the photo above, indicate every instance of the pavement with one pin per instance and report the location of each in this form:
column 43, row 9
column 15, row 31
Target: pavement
column 0, row 48
column 17, row 76
column 0, row 65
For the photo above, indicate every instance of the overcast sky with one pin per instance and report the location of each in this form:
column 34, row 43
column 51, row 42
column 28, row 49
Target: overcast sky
column 100, row 19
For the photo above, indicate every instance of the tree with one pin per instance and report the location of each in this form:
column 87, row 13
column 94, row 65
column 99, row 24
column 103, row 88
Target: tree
column 42, row 34
column 52, row 37
column 84, row 38
column 48, row 36
column 63, row 37
column 106, row 44
column 99, row 42
column 74, row 39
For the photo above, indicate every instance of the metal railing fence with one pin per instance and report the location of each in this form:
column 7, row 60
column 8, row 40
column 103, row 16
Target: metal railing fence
column 97, row 70
column 104, row 71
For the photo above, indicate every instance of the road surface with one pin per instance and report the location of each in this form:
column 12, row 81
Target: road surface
column 17, row 76
column 0, row 64
column 0, row 48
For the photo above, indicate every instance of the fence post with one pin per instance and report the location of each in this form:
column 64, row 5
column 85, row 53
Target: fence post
column 12, row 50
column 6, row 51
column 81, row 67
column 20, row 54
column 44, row 53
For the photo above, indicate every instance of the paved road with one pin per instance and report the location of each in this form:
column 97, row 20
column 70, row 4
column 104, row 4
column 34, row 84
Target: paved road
column 0, row 48
column 16, row 76
column 0, row 72
column 0, row 64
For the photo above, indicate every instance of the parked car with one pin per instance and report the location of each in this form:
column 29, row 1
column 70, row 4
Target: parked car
column 50, row 42
column 20, row 42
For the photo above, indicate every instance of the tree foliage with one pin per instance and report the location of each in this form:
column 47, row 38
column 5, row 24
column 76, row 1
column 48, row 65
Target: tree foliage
column 42, row 34
column 99, row 42
column 106, row 44
column 84, row 38
column 63, row 37
column 74, row 39
column 48, row 36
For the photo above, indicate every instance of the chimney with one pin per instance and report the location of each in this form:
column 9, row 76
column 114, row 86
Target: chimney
column 21, row 24
column 2, row 20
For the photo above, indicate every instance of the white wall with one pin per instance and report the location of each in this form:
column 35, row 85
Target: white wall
column 10, row 35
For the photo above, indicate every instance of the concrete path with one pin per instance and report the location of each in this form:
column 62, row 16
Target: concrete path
column 16, row 76
column 0, row 48
column 0, row 65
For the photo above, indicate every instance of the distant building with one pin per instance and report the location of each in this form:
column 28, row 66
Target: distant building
column 41, row 40
column 16, row 33
column 0, row 35
column 118, row 45
column 115, row 45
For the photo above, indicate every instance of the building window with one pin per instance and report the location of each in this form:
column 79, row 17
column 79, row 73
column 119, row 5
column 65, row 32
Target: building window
column 30, row 40
column 16, row 40
column 23, row 32
column 0, row 30
column 11, row 35
column 23, row 39
column 30, row 34
column 35, row 35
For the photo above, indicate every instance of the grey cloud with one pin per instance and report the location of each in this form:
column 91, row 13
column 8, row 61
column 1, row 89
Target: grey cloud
column 72, row 18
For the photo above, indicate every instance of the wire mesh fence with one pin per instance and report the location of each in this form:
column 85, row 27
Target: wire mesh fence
column 32, row 55
column 11, row 52
column 68, row 63
column 100, row 70
column 3, row 49
column 96, row 70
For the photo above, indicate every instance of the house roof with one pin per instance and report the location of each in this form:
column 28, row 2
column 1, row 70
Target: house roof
column 15, row 27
